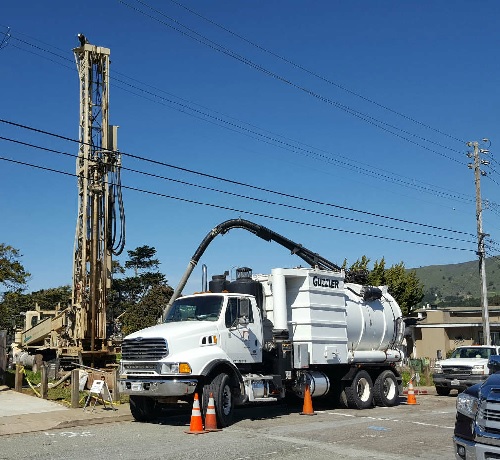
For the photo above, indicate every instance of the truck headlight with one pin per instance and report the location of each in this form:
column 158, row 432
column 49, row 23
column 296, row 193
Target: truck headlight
column 467, row 405
column 478, row 369
column 437, row 369
column 175, row 368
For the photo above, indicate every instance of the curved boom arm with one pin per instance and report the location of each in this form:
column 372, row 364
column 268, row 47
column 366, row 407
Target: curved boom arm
column 311, row 258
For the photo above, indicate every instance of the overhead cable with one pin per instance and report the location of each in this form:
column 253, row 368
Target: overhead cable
column 211, row 176
column 237, row 195
column 227, row 208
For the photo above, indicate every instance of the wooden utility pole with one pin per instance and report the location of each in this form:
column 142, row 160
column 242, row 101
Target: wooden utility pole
column 480, row 234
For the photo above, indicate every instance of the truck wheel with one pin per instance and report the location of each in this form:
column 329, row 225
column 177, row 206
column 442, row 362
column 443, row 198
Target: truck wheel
column 223, row 399
column 385, row 389
column 338, row 396
column 443, row 391
column 359, row 393
column 143, row 409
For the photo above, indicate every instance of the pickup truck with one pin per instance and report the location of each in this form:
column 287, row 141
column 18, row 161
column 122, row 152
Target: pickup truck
column 477, row 424
column 466, row 366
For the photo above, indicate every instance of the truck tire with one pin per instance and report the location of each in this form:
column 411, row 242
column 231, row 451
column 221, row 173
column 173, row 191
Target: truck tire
column 385, row 389
column 443, row 391
column 143, row 409
column 342, row 400
column 359, row 394
column 220, row 387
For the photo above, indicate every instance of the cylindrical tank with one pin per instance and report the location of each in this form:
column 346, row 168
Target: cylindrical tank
column 244, row 284
column 218, row 283
column 319, row 384
column 373, row 324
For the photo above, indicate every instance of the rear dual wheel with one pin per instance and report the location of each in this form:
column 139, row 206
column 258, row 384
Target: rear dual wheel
column 359, row 394
column 386, row 389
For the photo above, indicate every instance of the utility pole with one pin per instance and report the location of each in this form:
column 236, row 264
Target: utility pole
column 480, row 234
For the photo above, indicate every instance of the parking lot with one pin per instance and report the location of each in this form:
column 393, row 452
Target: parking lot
column 421, row 431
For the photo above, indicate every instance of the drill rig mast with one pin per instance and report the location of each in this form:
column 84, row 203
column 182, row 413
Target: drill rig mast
column 79, row 332
column 99, row 196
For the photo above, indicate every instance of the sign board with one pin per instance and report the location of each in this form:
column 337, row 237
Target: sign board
column 99, row 391
column 97, row 386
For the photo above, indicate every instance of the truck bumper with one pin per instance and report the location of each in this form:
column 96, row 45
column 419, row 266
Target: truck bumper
column 470, row 450
column 171, row 387
column 457, row 382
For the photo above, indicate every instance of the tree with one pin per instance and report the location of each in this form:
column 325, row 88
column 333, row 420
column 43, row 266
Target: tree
column 402, row 284
column 146, row 312
column 139, row 299
column 141, row 258
column 358, row 271
column 12, row 273
column 377, row 275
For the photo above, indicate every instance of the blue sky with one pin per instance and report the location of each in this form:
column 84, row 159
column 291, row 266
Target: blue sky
column 364, row 105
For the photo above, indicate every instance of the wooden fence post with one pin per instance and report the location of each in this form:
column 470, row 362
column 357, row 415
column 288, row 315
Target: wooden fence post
column 18, row 382
column 44, row 383
column 75, row 388
column 114, row 385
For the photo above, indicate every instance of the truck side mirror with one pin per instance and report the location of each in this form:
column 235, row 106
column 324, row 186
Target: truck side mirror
column 244, row 310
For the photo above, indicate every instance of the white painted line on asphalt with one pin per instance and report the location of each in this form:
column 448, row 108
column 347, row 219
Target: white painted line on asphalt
column 387, row 419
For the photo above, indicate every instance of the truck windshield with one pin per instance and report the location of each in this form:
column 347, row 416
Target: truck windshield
column 202, row 308
column 473, row 352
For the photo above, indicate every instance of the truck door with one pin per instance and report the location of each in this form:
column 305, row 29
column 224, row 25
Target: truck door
column 242, row 336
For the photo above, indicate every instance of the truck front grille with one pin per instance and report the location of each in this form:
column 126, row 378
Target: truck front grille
column 142, row 349
column 488, row 417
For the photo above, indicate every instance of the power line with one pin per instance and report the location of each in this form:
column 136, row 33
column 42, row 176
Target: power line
column 315, row 74
column 274, row 141
column 219, row 178
column 227, row 208
column 367, row 118
column 237, row 195
column 404, row 181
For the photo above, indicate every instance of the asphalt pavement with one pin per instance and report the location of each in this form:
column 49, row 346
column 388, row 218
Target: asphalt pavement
column 22, row 413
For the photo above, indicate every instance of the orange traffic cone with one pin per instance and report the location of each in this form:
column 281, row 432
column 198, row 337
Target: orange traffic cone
column 210, row 417
column 196, row 425
column 307, row 409
column 411, row 399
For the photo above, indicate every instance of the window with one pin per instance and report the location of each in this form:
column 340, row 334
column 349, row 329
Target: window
column 202, row 308
column 495, row 337
column 234, row 308
column 473, row 352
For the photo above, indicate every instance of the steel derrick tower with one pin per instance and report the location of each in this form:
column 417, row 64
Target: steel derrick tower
column 100, row 206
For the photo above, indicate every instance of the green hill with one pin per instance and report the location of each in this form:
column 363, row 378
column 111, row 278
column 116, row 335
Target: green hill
column 458, row 283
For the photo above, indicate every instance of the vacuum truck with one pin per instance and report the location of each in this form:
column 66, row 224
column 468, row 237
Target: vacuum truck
column 264, row 336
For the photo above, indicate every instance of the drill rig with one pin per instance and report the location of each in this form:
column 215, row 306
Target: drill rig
column 99, row 196
column 79, row 331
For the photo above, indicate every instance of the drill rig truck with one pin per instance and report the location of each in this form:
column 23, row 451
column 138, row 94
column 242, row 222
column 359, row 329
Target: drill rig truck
column 264, row 336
